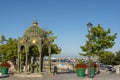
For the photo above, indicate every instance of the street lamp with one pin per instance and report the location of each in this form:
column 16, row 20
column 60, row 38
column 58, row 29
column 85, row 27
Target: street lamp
column 89, row 26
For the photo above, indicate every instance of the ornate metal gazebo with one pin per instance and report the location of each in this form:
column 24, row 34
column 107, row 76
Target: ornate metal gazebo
column 33, row 36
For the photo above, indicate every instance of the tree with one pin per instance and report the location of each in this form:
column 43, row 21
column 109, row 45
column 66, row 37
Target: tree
column 117, row 58
column 50, row 42
column 99, row 41
column 9, row 49
column 107, row 58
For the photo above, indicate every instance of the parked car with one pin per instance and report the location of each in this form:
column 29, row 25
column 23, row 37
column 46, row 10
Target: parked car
column 109, row 68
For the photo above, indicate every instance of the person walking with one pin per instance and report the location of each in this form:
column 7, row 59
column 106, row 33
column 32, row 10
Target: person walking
column 55, row 71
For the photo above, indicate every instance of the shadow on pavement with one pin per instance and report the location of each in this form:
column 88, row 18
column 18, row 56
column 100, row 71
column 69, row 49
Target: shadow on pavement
column 69, row 72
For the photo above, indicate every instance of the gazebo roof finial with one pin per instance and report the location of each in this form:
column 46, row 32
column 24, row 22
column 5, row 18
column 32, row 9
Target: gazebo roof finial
column 35, row 23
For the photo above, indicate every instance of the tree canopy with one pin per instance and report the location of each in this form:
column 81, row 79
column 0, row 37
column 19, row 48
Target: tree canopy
column 99, row 40
column 9, row 49
column 107, row 58
column 117, row 57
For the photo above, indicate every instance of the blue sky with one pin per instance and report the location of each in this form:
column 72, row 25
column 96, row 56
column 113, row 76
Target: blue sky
column 66, row 18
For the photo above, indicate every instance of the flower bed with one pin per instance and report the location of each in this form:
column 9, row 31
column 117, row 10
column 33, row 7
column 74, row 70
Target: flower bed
column 79, row 66
column 7, row 65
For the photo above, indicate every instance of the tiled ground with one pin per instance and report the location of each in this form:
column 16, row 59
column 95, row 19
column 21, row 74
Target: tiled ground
column 67, row 76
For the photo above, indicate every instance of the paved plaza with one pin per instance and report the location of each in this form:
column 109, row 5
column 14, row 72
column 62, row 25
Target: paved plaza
column 68, row 76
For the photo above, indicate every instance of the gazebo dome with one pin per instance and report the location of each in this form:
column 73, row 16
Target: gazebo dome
column 34, row 31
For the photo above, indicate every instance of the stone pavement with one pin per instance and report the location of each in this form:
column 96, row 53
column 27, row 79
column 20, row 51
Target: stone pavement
column 107, row 76
column 67, row 76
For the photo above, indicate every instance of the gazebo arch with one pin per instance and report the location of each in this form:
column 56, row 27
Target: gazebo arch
column 34, row 35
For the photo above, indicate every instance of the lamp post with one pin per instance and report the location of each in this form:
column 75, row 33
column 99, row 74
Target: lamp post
column 89, row 26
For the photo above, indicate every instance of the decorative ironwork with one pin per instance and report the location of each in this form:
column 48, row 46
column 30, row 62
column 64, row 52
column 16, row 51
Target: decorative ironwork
column 34, row 35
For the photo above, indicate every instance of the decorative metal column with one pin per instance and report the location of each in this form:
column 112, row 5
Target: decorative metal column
column 40, row 52
column 49, row 52
column 26, row 61
column 48, row 43
column 20, row 62
column 40, row 61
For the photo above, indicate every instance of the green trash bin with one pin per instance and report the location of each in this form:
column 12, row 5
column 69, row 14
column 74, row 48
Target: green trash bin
column 80, row 72
column 4, row 70
column 92, row 71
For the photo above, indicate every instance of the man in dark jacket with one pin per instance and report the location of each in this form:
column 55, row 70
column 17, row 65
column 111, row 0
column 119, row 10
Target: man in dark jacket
column 55, row 71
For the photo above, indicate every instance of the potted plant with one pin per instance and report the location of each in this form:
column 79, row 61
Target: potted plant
column 4, row 66
column 80, row 69
column 93, row 67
